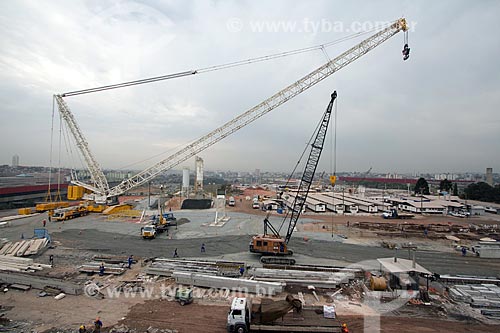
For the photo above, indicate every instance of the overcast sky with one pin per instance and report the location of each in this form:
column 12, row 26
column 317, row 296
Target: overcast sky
column 436, row 112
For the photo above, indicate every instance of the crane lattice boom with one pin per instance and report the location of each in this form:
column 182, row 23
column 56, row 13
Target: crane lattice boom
column 98, row 179
column 310, row 169
column 102, row 189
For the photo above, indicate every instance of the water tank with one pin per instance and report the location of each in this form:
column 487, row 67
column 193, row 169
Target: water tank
column 185, row 179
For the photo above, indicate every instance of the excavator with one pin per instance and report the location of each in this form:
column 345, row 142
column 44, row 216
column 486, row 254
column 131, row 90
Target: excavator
column 271, row 244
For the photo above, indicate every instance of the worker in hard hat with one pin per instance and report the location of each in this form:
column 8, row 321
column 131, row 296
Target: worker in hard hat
column 82, row 329
column 344, row 328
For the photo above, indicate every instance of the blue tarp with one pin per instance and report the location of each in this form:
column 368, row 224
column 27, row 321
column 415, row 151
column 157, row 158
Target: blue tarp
column 42, row 233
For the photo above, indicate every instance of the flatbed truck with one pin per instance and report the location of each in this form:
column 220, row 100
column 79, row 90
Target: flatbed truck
column 394, row 215
column 245, row 317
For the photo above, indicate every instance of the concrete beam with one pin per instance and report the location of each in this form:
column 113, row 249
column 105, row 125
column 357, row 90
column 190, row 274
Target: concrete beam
column 219, row 282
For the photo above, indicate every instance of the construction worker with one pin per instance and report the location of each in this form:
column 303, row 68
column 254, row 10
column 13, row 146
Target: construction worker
column 44, row 222
column 130, row 260
column 175, row 253
column 203, row 248
column 82, row 329
column 464, row 251
column 101, row 269
column 51, row 260
column 97, row 325
column 344, row 328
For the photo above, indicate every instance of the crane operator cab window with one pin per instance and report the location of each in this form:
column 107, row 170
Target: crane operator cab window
column 236, row 312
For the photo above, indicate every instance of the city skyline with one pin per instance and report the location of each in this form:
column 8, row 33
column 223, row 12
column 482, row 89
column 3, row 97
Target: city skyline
column 438, row 175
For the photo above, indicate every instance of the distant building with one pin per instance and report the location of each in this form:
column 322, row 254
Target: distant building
column 489, row 176
column 15, row 161
column 443, row 176
column 257, row 176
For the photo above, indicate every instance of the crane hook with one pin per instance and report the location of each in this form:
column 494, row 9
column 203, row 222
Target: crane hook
column 406, row 48
column 406, row 52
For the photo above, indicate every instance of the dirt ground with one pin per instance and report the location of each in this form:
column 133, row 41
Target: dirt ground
column 171, row 315
column 78, row 240
column 391, row 324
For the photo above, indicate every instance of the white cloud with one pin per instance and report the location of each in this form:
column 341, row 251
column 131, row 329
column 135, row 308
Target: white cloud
column 393, row 115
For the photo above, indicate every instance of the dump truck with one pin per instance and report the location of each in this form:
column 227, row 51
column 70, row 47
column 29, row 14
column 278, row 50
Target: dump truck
column 64, row 214
column 275, row 316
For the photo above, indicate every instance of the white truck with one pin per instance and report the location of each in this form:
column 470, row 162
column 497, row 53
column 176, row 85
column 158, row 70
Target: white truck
column 275, row 316
column 231, row 202
column 255, row 203
column 148, row 231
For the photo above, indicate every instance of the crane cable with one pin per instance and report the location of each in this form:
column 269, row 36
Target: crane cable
column 214, row 68
column 48, row 198
column 333, row 137
column 309, row 143
column 221, row 66
column 58, row 196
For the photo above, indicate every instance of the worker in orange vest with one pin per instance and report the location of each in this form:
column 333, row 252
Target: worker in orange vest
column 344, row 328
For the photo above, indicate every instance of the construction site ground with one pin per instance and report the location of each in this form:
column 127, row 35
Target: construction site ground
column 319, row 239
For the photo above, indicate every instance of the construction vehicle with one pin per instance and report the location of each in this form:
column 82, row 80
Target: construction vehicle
column 103, row 193
column 272, row 243
column 184, row 295
column 255, row 204
column 394, row 215
column 275, row 316
column 64, row 214
column 163, row 221
column 231, row 202
column 148, row 231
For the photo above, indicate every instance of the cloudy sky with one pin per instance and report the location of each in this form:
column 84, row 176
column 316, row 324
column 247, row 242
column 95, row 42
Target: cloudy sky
column 437, row 112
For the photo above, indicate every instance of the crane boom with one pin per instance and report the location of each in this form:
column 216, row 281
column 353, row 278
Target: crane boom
column 310, row 169
column 100, row 182
column 261, row 109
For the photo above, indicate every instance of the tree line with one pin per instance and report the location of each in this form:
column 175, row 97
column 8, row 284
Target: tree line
column 477, row 191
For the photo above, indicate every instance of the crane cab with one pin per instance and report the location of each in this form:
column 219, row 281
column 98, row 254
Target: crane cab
column 268, row 245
